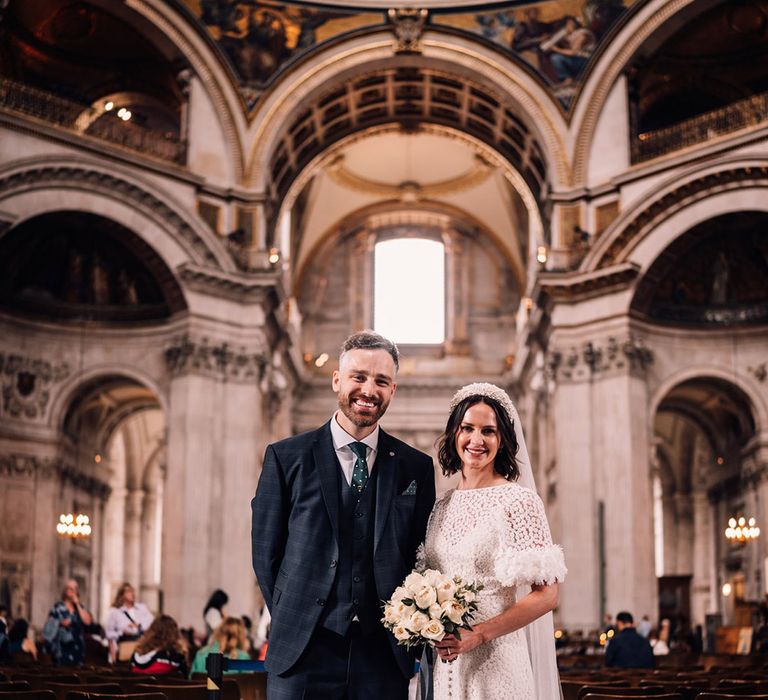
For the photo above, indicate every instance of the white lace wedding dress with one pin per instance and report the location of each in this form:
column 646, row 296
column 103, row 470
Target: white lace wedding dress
column 497, row 536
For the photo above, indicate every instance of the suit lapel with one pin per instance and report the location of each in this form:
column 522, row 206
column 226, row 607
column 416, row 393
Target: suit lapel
column 387, row 462
column 328, row 470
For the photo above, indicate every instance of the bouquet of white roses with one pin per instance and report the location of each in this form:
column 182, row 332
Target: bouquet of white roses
column 428, row 606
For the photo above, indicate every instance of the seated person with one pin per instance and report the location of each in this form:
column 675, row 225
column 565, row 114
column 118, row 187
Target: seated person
column 228, row 638
column 628, row 649
column 19, row 643
column 161, row 651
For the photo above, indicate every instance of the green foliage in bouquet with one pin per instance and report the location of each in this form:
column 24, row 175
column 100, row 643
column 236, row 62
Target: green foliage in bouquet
column 430, row 605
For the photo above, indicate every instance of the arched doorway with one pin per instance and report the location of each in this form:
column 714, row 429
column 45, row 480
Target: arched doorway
column 703, row 431
column 115, row 429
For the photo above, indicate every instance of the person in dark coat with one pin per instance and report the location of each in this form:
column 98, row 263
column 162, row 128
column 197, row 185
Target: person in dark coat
column 628, row 649
column 337, row 517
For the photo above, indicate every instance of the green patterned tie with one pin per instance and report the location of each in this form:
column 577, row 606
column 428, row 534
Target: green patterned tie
column 360, row 471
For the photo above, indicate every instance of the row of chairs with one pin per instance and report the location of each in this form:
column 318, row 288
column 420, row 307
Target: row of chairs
column 88, row 683
column 691, row 687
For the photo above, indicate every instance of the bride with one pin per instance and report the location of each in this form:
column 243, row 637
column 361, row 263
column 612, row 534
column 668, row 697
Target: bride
column 492, row 529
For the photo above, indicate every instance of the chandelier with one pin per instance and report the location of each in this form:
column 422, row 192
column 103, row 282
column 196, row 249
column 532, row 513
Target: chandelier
column 741, row 530
column 74, row 526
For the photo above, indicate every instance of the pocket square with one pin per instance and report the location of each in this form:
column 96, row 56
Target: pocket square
column 411, row 490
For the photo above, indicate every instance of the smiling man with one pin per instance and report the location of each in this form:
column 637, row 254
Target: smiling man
column 337, row 517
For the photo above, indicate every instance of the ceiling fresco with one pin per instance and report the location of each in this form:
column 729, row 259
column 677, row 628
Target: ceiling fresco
column 555, row 38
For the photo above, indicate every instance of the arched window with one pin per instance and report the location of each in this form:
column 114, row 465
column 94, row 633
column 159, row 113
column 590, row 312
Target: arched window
column 409, row 290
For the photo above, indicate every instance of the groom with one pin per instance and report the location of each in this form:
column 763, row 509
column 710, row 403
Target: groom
column 337, row 517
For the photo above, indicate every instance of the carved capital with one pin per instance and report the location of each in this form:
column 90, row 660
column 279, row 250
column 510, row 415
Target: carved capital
column 191, row 356
column 46, row 468
column 26, row 384
column 599, row 357
column 25, row 465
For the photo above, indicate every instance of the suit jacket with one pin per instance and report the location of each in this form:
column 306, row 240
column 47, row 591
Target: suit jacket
column 628, row 649
column 295, row 521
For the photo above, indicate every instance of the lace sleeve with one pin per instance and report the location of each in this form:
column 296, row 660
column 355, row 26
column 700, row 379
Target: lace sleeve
column 421, row 559
column 526, row 554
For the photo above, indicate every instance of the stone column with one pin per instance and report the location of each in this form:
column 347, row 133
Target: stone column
column 193, row 464
column 603, row 456
column 701, row 594
column 147, row 583
column 45, row 548
column 132, row 537
column 457, row 294
column 669, row 525
column 113, row 557
column 622, row 456
column 361, row 280
column 212, row 468
column 579, row 598
column 240, row 469
column 684, row 533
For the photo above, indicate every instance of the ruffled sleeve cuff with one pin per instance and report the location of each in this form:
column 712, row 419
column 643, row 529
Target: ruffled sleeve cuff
column 542, row 566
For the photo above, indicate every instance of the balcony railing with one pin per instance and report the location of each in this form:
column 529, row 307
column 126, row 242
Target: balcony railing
column 745, row 113
column 79, row 118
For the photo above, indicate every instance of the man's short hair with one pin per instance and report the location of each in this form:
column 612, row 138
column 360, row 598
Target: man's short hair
column 625, row 617
column 370, row 340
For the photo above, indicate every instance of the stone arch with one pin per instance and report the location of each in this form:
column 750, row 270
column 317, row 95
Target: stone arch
column 177, row 237
column 357, row 56
column 610, row 65
column 645, row 229
column 742, row 384
column 74, row 384
column 197, row 47
column 424, row 209
column 111, row 425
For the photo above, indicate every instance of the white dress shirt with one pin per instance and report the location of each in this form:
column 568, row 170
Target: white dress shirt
column 341, row 440
column 118, row 622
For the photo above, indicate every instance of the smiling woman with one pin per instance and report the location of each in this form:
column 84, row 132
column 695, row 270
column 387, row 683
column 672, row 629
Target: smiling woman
column 409, row 290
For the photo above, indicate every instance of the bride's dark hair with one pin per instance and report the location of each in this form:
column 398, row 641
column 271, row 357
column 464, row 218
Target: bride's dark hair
column 504, row 463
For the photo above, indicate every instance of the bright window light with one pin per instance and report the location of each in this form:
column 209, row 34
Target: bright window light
column 409, row 290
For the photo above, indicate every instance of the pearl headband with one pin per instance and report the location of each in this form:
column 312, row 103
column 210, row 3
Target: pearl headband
column 491, row 391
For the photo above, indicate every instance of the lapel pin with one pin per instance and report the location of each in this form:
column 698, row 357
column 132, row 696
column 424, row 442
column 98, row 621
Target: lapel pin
column 391, row 454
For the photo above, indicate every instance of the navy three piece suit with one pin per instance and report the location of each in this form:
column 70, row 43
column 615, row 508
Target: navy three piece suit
column 325, row 556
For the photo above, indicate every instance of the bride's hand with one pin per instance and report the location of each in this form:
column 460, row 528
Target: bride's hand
column 450, row 647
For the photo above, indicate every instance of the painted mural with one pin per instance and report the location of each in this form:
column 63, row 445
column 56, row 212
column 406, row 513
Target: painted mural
column 556, row 37
column 259, row 37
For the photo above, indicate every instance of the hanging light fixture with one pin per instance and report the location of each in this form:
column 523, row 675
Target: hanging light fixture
column 74, row 525
column 742, row 530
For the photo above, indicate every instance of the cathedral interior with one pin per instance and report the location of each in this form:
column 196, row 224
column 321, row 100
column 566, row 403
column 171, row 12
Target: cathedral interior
column 200, row 199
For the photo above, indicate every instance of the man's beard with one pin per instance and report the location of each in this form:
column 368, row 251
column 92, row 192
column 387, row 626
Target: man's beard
column 362, row 420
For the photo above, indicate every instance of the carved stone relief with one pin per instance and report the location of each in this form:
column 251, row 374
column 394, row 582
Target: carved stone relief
column 26, row 384
column 186, row 355
column 597, row 357
column 30, row 466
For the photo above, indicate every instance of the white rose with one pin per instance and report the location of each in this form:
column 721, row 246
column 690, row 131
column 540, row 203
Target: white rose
column 435, row 611
column 434, row 631
column 432, row 577
column 425, row 596
column 389, row 614
column 446, row 590
column 399, row 594
column 413, row 582
column 453, row 610
column 401, row 633
column 469, row 596
column 417, row 622
column 403, row 611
